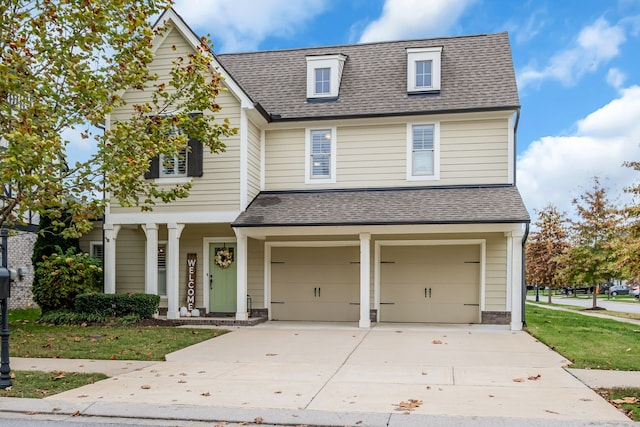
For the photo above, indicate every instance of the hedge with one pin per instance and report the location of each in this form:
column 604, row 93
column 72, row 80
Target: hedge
column 118, row 305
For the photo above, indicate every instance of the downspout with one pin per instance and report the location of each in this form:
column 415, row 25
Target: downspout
column 524, row 282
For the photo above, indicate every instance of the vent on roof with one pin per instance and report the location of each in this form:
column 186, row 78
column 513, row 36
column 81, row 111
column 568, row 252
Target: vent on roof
column 323, row 75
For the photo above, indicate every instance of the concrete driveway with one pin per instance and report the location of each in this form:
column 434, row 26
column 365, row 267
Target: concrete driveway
column 435, row 370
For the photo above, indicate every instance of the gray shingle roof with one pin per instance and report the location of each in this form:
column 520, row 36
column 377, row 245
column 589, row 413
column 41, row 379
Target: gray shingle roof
column 436, row 205
column 477, row 74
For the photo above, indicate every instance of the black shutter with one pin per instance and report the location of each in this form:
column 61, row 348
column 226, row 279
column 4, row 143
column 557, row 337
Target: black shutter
column 154, row 169
column 194, row 158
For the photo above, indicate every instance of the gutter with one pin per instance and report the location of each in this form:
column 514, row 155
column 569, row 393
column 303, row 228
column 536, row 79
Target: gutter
column 524, row 282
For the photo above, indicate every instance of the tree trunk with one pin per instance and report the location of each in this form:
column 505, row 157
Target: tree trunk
column 595, row 297
column 550, row 295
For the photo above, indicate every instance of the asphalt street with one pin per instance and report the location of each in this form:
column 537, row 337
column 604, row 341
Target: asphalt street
column 582, row 301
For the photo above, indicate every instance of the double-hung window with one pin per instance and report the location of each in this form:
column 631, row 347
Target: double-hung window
column 321, row 156
column 423, row 151
column 323, row 81
column 175, row 165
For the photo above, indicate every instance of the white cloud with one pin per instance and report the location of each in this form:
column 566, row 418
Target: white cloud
column 596, row 44
column 406, row 19
column 556, row 169
column 616, row 78
column 524, row 32
column 240, row 25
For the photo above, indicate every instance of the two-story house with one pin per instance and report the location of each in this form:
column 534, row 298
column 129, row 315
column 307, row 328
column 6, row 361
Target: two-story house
column 367, row 183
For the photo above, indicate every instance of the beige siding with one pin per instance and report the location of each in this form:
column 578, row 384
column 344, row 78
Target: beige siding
column 219, row 187
column 255, row 273
column 130, row 259
column 253, row 158
column 95, row 235
column 375, row 155
column 496, row 274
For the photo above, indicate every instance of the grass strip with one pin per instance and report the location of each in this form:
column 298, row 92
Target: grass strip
column 38, row 384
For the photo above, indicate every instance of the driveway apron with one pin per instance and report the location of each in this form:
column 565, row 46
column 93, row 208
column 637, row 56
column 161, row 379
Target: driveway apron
column 390, row 368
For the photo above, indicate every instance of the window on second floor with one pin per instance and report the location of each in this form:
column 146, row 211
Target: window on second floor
column 423, row 151
column 320, row 156
column 324, row 73
column 185, row 163
column 423, row 69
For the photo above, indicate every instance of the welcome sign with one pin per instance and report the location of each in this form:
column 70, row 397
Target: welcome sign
column 192, row 271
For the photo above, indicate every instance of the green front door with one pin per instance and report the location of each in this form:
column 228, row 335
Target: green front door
column 222, row 284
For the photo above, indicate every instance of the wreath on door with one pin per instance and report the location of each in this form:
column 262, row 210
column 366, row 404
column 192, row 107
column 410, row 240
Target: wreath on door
column 223, row 258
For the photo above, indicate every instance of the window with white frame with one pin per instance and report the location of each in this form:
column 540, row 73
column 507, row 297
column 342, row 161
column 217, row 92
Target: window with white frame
column 176, row 165
column 96, row 250
column 423, row 69
column 423, row 156
column 162, row 269
column 324, row 74
column 321, row 156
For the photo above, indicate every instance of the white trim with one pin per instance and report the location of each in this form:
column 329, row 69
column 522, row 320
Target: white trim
column 263, row 138
column 365, row 280
column 244, row 159
column 205, row 217
column 436, row 152
column 308, row 179
column 511, row 147
column 293, row 244
column 448, row 242
column 168, row 180
column 509, row 266
column 206, row 241
column 151, row 258
column 241, row 275
column 432, row 54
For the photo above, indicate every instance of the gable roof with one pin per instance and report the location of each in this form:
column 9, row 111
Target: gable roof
column 398, row 206
column 477, row 75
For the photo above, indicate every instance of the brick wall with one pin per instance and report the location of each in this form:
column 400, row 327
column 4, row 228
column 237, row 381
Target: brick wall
column 20, row 248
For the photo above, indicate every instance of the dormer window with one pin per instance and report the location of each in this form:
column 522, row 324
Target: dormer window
column 323, row 75
column 423, row 69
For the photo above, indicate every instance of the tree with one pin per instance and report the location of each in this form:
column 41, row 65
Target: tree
column 545, row 248
column 592, row 257
column 629, row 248
column 65, row 64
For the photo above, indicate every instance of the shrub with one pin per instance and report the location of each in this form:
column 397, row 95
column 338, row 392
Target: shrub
column 65, row 316
column 63, row 276
column 143, row 306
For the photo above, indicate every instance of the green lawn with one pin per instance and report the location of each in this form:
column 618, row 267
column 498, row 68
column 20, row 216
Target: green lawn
column 32, row 339
column 38, row 385
column 588, row 342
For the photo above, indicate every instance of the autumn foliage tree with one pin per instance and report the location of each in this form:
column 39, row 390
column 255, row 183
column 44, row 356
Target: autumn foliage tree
column 545, row 247
column 65, row 64
column 591, row 260
column 629, row 247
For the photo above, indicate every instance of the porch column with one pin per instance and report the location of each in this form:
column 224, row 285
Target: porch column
column 151, row 267
column 109, row 267
column 516, row 279
column 365, row 280
column 173, row 268
column 241, row 266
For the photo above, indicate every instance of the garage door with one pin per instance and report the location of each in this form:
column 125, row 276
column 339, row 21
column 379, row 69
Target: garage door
column 315, row 283
column 438, row 284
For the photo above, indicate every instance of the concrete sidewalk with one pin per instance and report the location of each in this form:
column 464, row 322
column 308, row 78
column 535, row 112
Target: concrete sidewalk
column 320, row 374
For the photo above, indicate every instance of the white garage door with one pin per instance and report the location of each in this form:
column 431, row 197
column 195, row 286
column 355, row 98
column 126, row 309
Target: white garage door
column 438, row 284
column 320, row 283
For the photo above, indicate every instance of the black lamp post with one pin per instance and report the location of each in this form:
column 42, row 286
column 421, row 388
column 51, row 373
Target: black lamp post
column 5, row 286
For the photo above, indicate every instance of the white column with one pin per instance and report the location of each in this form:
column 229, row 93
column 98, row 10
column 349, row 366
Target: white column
column 365, row 280
column 109, row 267
column 173, row 268
column 151, row 267
column 516, row 280
column 241, row 265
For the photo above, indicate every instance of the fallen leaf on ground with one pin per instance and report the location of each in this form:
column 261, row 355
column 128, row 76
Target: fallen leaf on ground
column 518, row 380
column 535, row 377
column 271, row 354
column 60, row 376
column 409, row 405
column 206, row 393
column 436, row 342
column 258, row 420
column 76, row 414
column 145, row 387
column 551, row 412
column 625, row 400
column 12, row 376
